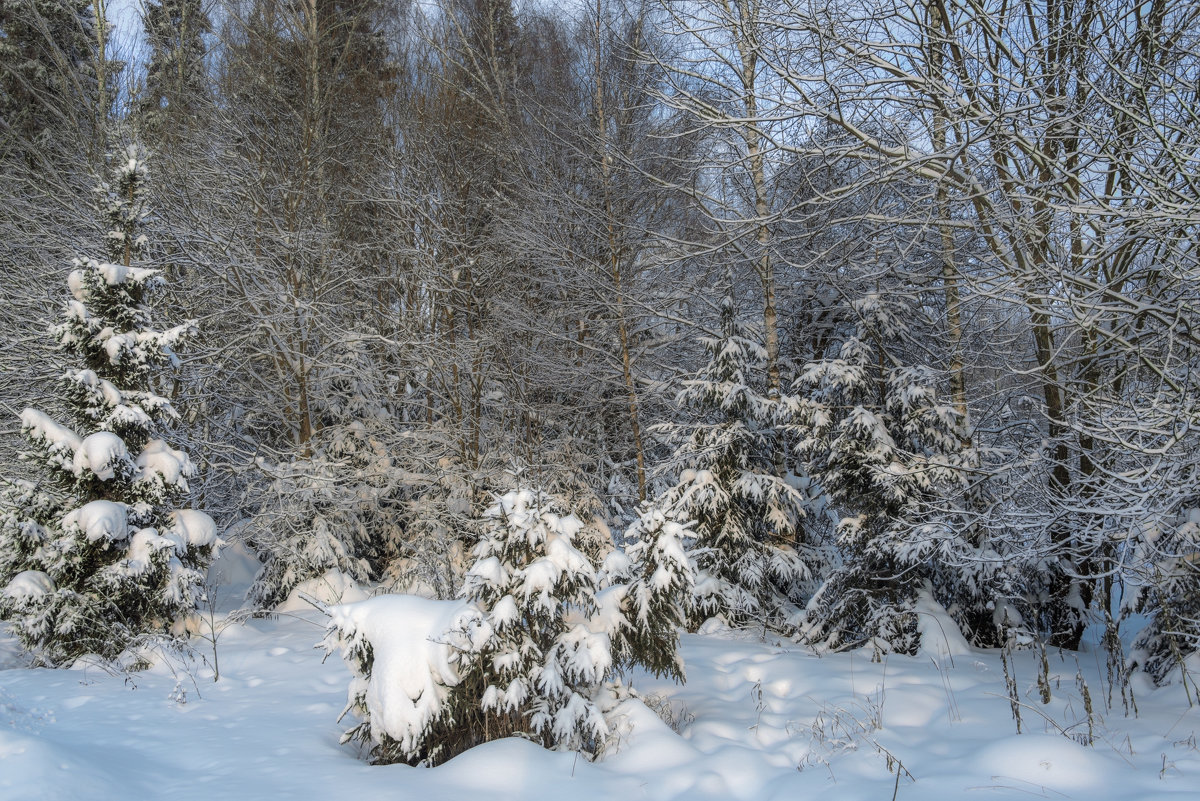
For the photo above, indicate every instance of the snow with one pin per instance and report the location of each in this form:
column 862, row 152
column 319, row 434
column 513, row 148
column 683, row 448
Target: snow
column 106, row 389
column 159, row 461
column 130, row 416
column 98, row 520
column 116, row 344
column 334, row 587
column 757, row 721
column 100, row 453
column 505, row 612
column 112, row 274
column 589, row 652
column 608, row 618
column 29, row 584
column 75, row 284
column 143, row 545
column 235, row 566
column 939, row 633
column 542, row 575
column 191, row 527
column 61, row 441
column 489, row 571
column 115, row 274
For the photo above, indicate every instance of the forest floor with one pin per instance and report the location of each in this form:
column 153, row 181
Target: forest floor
column 755, row 720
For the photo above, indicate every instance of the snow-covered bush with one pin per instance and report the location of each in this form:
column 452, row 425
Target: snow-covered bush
column 312, row 520
column 746, row 516
column 408, row 655
column 442, row 502
column 335, row 505
column 527, row 651
column 95, row 553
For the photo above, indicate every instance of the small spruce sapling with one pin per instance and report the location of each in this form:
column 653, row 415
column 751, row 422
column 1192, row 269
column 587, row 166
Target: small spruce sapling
column 649, row 589
column 544, row 662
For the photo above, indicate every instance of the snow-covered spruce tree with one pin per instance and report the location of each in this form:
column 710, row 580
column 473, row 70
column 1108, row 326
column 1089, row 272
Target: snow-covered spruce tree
column 751, row 560
column 95, row 553
column 647, row 592
column 529, row 649
column 883, row 448
column 538, row 591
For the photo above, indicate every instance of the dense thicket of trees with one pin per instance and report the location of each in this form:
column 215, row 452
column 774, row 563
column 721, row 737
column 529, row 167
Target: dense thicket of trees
column 925, row 274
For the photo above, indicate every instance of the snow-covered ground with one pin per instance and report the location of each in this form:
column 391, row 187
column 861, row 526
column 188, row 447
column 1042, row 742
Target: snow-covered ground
column 755, row 721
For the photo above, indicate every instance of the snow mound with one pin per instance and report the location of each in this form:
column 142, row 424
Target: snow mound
column 29, row 585
column 100, row 453
column 159, row 461
column 191, row 527
column 414, row 641
column 235, row 564
column 61, row 441
column 1046, row 761
column 98, row 520
column 335, row 587
column 940, row 635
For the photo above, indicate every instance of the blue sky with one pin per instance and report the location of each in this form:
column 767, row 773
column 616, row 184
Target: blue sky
column 125, row 16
